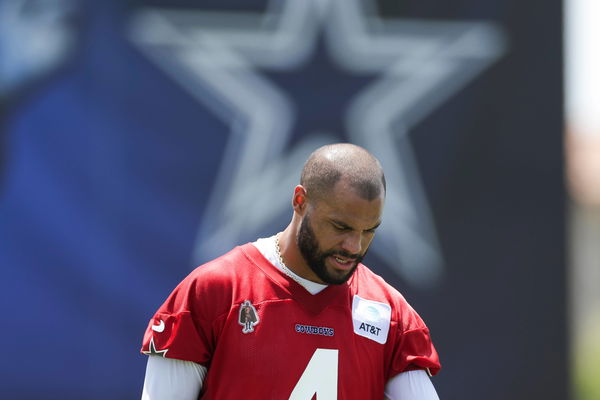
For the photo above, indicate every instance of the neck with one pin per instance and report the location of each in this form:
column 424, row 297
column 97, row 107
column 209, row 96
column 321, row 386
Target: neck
column 292, row 258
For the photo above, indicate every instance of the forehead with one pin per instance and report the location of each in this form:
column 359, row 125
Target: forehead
column 343, row 204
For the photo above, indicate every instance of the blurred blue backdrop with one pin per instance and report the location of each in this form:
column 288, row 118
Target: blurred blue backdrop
column 141, row 138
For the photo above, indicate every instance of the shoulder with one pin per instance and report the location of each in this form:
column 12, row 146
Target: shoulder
column 226, row 269
column 231, row 278
column 211, row 287
column 366, row 282
column 369, row 285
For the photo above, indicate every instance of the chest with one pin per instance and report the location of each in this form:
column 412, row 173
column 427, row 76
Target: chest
column 280, row 349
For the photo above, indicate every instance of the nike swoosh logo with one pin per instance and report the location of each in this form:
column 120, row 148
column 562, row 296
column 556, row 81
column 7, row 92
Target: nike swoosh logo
column 160, row 327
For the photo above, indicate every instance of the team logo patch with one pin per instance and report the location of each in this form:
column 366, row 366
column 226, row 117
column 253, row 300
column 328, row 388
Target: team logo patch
column 248, row 317
column 153, row 351
column 371, row 319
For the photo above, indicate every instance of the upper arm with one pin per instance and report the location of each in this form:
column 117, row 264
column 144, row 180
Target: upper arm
column 411, row 385
column 168, row 378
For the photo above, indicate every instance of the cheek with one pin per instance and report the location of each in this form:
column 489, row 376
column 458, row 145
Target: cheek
column 330, row 241
column 326, row 235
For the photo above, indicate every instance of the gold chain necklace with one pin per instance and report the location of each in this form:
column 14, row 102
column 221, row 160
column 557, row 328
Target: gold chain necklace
column 284, row 267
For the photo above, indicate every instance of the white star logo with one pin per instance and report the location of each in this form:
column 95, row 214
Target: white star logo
column 152, row 351
column 419, row 64
column 35, row 37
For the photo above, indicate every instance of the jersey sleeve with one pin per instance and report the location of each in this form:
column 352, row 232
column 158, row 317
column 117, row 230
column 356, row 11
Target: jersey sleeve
column 412, row 346
column 183, row 328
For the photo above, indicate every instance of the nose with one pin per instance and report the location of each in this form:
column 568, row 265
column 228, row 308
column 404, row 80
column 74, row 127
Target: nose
column 352, row 243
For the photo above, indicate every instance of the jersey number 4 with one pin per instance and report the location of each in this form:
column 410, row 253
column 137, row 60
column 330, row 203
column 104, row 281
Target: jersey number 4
column 319, row 377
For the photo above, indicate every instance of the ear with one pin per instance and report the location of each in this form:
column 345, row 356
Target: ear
column 299, row 199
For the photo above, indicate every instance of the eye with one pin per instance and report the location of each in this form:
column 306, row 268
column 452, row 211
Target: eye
column 373, row 229
column 340, row 228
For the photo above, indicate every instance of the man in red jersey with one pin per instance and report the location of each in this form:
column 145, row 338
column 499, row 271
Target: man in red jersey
column 297, row 315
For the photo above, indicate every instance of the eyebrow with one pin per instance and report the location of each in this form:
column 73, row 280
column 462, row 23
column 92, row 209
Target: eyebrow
column 346, row 226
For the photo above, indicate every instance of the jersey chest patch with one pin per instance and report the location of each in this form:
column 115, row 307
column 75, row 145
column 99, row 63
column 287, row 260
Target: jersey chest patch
column 371, row 319
column 248, row 317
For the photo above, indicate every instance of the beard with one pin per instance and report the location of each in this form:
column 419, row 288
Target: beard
column 315, row 258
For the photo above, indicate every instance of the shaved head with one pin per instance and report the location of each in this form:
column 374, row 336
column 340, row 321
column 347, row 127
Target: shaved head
column 330, row 164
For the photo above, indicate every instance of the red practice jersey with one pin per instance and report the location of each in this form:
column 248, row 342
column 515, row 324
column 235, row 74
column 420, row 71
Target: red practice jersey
column 263, row 336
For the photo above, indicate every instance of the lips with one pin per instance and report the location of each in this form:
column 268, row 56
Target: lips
column 343, row 263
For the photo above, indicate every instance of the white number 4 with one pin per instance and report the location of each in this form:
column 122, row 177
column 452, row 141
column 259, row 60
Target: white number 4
column 320, row 377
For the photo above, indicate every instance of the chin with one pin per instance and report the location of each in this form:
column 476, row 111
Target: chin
column 335, row 277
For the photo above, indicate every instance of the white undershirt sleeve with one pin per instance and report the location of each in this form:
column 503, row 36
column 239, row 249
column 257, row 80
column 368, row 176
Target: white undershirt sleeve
column 170, row 379
column 411, row 385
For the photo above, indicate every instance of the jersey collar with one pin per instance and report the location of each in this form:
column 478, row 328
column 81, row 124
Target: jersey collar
column 331, row 296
